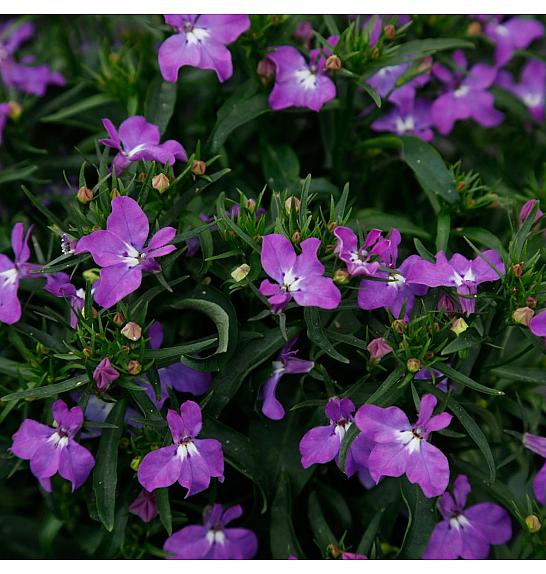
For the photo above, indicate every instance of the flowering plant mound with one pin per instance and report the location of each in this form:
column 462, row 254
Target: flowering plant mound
column 272, row 287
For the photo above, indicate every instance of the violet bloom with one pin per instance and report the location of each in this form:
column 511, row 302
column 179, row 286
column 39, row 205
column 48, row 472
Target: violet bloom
column 465, row 95
column 104, row 375
column 51, row 450
column 298, row 83
column 526, row 209
column 213, row 540
column 435, row 377
column 537, row 444
column 459, row 272
column 5, row 111
column 155, row 334
column 286, row 364
column 353, row 556
column 139, row 140
column 367, row 259
column 144, row 506
column 384, row 81
column 531, row 89
column 467, row 532
column 402, row 448
column 11, row 272
column 190, row 461
column 537, row 325
column 59, row 285
column 511, row 35
column 200, row 42
column 297, row 276
column 321, row 445
column 120, row 250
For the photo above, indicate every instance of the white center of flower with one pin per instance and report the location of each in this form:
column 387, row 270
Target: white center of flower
column 8, row 277
column 215, row 537
column 135, row 150
column 290, row 282
column 196, row 36
column 342, row 428
column 532, row 100
column 411, row 440
column 278, row 366
column 461, row 91
column 185, row 450
column 502, row 30
column 458, row 522
column 396, row 280
column 306, row 78
column 404, row 125
column 59, row 440
column 132, row 258
column 467, row 276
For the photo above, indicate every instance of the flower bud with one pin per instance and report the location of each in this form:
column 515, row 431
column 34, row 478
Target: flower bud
column 425, row 64
column 266, row 70
column 199, row 167
column 413, row 365
column 250, row 204
column 378, row 348
column 141, row 177
column 126, row 349
column 332, row 226
column 87, row 352
column 84, row 195
column 533, row 523
column 446, row 304
column 118, row 319
column 341, row 277
column 531, row 302
column 91, row 275
column 296, row 237
column 389, row 31
column 333, row 550
column 104, row 375
column 517, row 268
column 115, row 193
column 304, row 32
column 132, row 331
column 460, row 186
column 523, row 315
column 459, row 326
column 399, row 326
column 474, row 29
column 135, row 463
column 525, row 211
column 333, row 63
column 134, row 367
column 15, row 110
column 375, row 53
column 240, row 272
column 292, row 202
column 161, row 182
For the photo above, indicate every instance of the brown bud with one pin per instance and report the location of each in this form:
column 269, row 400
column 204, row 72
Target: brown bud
column 436, row 327
column 161, row 182
column 517, row 268
column 330, row 248
column 332, row 226
column 333, row 63
column 115, row 193
column 132, row 331
column 523, row 315
column 126, row 349
column 250, row 204
column 87, row 352
column 474, row 29
column 531, row 302
column 429, row 355
column 118, row 319
column 425, row 64
column 266, row 70
column 333, row 550
column 533, row 523
column 84, row 195
column 375, row 53
column 341, row 277
column 292, row 202
column 413, row 365
column 389, row 31
column 134, row 367
column 199, row 167
column 470, row 202
column 15, row 110
column 141, row 177
column 399, row 326
column 460, row 186
column 296, row 237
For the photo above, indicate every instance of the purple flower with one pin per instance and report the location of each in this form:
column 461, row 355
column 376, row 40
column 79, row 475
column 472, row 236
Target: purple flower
column 139, row 140
column 353, row 556
column 200, row 42
column 104, row 375
column 213, row 541
column 467, row 532
column 59, row 285
column 438, row 379
column 144, row 506
column 286, row 364
column 51, row 450
column 190, row 461
column 511, row 35
column 11, row 272
column 367, row 259
column 465, row 95
column 401, row 448
column 531, row 89
column 458, row 272
column 155, row 333
column 298, row 83
column 537, row 325
column 384, row 81
column 304, row 32
column 120, row 251
column 5, row 110
column 297, row 276
column 526, row 209
column 538, row 444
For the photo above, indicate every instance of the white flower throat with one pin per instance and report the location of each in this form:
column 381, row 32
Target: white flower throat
column 290, row 282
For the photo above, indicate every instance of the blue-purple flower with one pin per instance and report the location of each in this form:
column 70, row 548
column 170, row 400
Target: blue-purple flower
column 537, row 444
column 59, row 284
column 511, row 35
column 144, row 506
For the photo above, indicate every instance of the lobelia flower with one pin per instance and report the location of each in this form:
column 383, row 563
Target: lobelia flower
column 59, row 285
column 353, row 556
column 190, row 461
column 155, row 334
column 120, row 250
column 402, row 448
column 144, row 506
column 367, row 259
column 465, row 95
column 537, row 324
column 537, row 444
column 104, row 375
column 531, row 89
column 296, row 276
column 526, row 209
column 467, row 532
column 511, row 35
column 11, row 272
column 139, row 140
column 200, row 42
column 458, row 272
column 213, row 540
column 286, row 364
column 438, row 379
column 298, row 83
column 51, row 450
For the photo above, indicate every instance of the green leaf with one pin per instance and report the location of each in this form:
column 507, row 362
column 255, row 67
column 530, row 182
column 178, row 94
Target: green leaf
column 164, row 508
column 535, row 375
column 465, row 340
column 372, row 93
column 79, row 107
column 483, row 237
column 421, row 521
column 321, row 531
column 371, row 532
column 160, row 103
column 458, row 377
column 390, row 388
column 317, row 334
column 50, row 390
column 39, row 205
column 282, row 536
column 442, row 231
column 165, row 356
column 280, row 165
column 105, row 476
column 348, row 439
column 429, row 168
column 17, row 174
column 373, row 218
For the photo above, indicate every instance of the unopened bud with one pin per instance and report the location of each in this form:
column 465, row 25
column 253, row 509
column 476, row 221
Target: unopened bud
column 333, row 63
column 333, row 550
column 292, row 202
column 15, row 110
column 199, row 167
column 135, row 463
column 118, row 319
column 250, row 204
column 296, row 237
column 413, row 365
column 378, row 348
column 91, row 275
column 523, row 315
column 141, row 177
column 304, row 31
column 375, row 53
column 429, row 355
column 399, row 326
column 115, row 193
column 425, row 64
column 132, row 331
column 446, row 304
column 459, row 326
column 41, row 349
column 517, row 269
column 332, row 226
column 134, row 367
column 240, row 272
column 266, row 70
column 474, row 29
column 341, row 277
column 161, row 182
column 531, row 302
column 126, row 349
column 87, row 352
column 533, row 523
column 460, row 186
column 389, row 31
column 84, row 195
